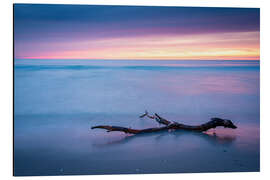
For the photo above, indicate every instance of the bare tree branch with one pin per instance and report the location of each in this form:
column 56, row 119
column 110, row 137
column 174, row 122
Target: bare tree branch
column 215, row 122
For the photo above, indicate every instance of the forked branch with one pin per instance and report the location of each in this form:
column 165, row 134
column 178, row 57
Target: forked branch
column 213, row 123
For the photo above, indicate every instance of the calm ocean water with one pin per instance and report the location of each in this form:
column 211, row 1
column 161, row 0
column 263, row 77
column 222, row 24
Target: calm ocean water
column 57, row 101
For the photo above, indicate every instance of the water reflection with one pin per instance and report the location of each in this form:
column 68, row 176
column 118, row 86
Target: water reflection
column 55, row 106
column 211, row 137
column 212, row 82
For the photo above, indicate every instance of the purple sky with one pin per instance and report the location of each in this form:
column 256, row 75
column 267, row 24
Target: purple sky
column 133, row 32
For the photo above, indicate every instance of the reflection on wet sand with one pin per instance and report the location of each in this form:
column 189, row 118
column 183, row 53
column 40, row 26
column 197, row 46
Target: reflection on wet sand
column 211, row 137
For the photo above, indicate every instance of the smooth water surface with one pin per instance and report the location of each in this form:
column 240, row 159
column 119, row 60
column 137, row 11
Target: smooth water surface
column 57, row 101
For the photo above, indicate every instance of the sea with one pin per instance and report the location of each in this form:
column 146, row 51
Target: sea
column 56, row 102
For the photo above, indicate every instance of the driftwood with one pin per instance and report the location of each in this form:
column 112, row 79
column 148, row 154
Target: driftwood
column 215, row 122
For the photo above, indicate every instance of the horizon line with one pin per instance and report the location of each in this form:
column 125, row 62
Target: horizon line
column 137, row 59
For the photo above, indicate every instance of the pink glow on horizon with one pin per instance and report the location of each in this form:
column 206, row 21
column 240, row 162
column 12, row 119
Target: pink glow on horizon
column 214, row 46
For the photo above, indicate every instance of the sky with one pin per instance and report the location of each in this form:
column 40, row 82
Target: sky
column 135, row 32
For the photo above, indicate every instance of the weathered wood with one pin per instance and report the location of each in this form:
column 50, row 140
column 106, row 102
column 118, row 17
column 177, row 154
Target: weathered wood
column 215, row 122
